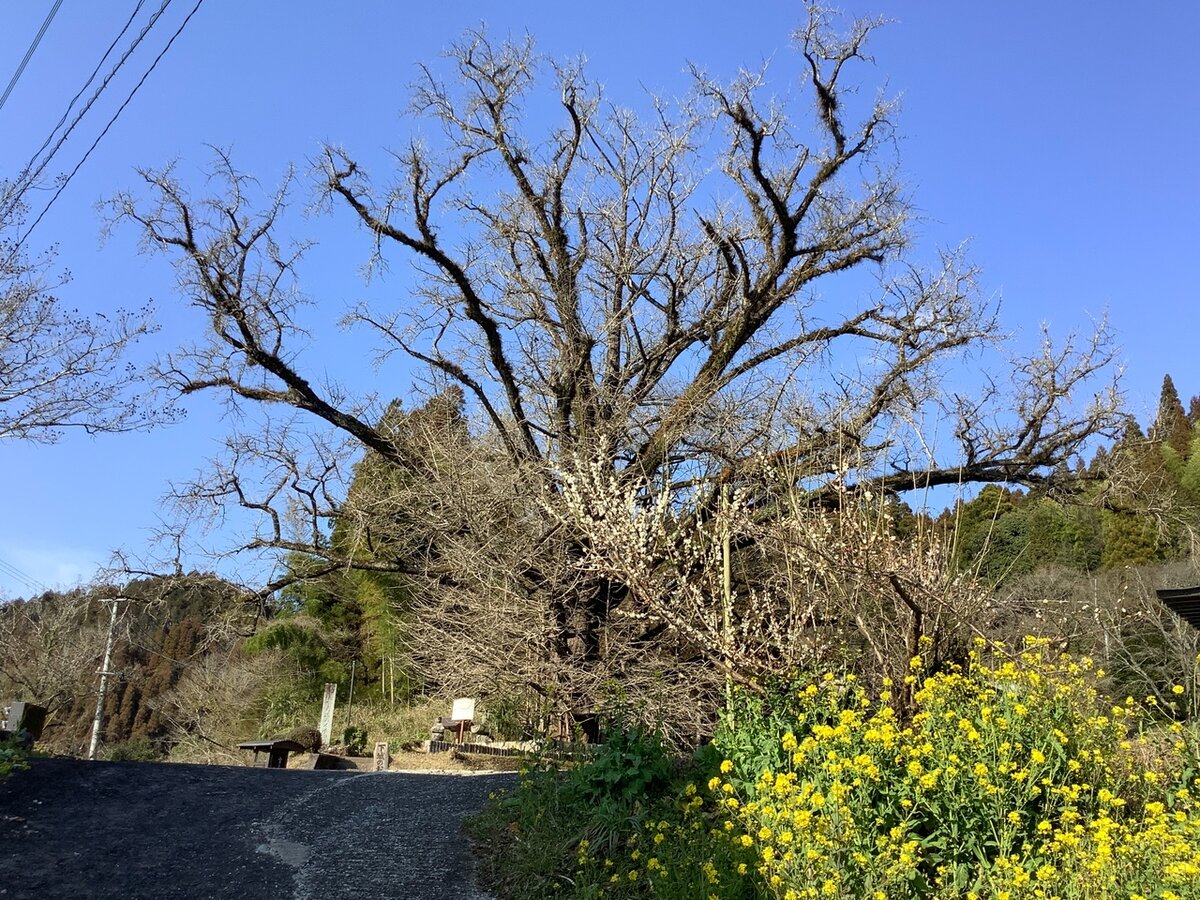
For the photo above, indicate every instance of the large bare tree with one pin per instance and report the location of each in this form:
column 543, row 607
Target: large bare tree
column 665, row 293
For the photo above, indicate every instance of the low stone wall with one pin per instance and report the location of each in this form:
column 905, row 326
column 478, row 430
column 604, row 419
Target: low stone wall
column 483, row 749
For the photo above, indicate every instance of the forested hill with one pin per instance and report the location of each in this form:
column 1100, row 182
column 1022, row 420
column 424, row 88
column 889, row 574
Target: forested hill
column 52, row 646
column 1136, row 502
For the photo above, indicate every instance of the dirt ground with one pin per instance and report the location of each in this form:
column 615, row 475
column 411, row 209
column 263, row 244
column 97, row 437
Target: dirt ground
column 450, row 763
column 455, row 763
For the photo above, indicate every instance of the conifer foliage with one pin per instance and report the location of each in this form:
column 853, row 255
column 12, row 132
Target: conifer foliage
column 1136, row 502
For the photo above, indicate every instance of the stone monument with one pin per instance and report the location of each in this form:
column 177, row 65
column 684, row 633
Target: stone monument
column 327, row 706
column 383, row 757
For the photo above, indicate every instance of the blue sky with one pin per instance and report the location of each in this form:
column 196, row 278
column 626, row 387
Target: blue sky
column 1061, row 139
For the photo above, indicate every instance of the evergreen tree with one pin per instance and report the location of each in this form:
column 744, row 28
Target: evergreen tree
column 1130, row 539
column 1171, row 427
column 356, row 615
column 976, row 526
column 1189, row 479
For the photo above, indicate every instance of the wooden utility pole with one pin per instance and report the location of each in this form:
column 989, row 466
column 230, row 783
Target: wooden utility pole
column 104, row 673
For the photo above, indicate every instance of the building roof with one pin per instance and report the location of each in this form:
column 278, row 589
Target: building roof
column 1184, row 602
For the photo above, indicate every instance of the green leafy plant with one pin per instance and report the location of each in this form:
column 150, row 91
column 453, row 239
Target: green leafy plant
column 512, row 716
column 629, row 766
column 355, row 740
column 595, row 831
column 750, row 728
column 13, row 756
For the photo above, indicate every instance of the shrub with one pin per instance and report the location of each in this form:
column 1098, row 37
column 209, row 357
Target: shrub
column 1013, row 779
column 629, row 766
column 512, row 717
column 355, row 740
column 138, row 749
column 306, row 736
column 626, row 822
column 12, row 756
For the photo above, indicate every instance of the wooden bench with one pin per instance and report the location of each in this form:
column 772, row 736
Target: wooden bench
column 277, row 751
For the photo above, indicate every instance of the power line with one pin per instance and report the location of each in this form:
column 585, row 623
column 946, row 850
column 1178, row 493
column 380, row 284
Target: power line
column 7, row 568
column 29, row 174
column 29, row 53
column 28, row 167
column 111, row 122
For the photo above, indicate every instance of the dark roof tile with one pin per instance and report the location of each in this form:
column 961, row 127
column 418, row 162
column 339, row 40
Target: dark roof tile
column 1184, row 602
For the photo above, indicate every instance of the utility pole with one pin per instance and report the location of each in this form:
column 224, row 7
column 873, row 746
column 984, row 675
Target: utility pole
column 727, row 603
column 104, row 673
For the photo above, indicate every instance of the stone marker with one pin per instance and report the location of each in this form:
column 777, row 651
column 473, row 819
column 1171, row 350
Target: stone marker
column 327, row 713
column 383, row 758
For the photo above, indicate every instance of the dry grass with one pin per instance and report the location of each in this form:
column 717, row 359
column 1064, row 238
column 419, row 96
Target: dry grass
column 399, row 724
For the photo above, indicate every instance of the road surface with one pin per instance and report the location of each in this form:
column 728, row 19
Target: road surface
column 70, row 828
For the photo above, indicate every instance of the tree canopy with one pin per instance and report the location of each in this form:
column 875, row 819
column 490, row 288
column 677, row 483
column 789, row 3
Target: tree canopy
column 661, row 296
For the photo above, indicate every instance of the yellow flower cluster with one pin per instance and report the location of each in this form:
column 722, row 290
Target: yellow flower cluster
column 1011, row 780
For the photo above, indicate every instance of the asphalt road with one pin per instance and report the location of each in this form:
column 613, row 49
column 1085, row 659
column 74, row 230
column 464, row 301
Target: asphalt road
column 75, row 829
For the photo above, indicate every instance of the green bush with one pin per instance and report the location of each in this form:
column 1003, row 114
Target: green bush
column 511, row 717
column 138, row 749
column 629, row 766
column 627, row 821
column 12, row 756
column 355, row 740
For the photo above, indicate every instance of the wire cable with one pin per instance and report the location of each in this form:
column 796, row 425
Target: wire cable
column 29, row 174
column 111, row 122
column 11, row 571
column 29, row 53
column 28, row 167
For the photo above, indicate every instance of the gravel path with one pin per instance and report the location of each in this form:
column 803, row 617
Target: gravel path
column 152, row 830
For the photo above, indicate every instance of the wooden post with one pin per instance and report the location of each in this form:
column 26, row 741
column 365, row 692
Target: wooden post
column 350, row 703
